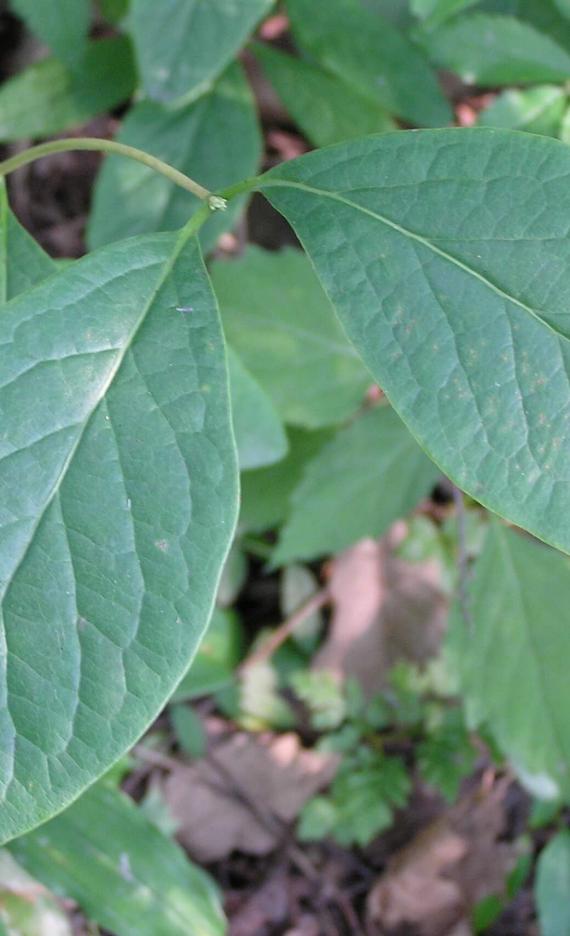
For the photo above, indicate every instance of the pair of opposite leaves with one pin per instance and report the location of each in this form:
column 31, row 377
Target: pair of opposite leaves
column 445, row 254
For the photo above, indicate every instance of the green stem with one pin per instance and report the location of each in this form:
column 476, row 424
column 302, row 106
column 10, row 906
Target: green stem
column 120, row 149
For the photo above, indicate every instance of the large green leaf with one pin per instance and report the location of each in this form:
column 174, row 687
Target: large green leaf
column 216, row 140
column 281, row 323
column 447, row 256
column 325, row 108
column 122, row 871
column 493, row 50
column 23, row 263
column 182, row 45
column 372, row 55
column 117, row 505
column 513, row 659
column 48, row 98
column 366, row 477
column 552, row 888
column 61, row 24
column 260, row 436
column 536, row 110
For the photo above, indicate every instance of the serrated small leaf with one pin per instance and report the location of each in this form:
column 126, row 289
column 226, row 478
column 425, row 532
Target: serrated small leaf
column 259, row 432
column 552, row 886
column 62, row 24
column 47, row 98
column 363, row 48
column 428, row 244
column 182, row 45
column 535, row 110
column 323, row 106
column 366, row 477
column 215, row 139
column 281, row 323
column 123, row 872
column 490, row 50
column 513, row 664
column 105, row 586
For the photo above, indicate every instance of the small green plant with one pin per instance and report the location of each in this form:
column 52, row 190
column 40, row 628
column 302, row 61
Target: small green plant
column 371, row 782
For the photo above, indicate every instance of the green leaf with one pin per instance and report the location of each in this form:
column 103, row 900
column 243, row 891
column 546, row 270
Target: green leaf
column 27, row 908
column 23, row 263
column 513, row 668
column 184, row 45
column 281, row 323
column 260, row 436
column 436, row 12
column 324, row 107
column 265, row 493
column 373, row 56
column 552, row 887
column 536, row 110
column 215, row 140
column 189, row 730
column 429, row 244
column 105, row 586
column 494, row 50
column 364, row 793
column 446, row 756
column 544, row 15
column 114, row 10
column 47, row 98
column 121, row 870
column 366, row 477
column 564, row 7
column 62, row 24
column 218, row 655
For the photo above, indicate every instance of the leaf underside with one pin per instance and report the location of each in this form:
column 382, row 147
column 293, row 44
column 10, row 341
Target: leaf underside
column 447, row 256
column 117, row 506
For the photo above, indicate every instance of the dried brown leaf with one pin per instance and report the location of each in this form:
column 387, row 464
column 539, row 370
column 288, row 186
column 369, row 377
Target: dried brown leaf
column 384, row 609
column 241, row 795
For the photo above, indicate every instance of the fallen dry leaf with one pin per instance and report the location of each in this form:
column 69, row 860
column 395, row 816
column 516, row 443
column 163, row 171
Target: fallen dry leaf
column 238, row 797
column 432, row 884
column 384, row 609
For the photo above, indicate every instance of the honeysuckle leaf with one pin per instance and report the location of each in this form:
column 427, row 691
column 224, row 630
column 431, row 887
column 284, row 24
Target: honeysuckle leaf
column 493, row 50
column 104, row 845
column 182, row 45
column 325, row 107
column 447, row 256
column 281, row 323
column 368, row 475
column 48, row 98
column 62, row 24
column 351, row 39
column 117, row 507
column 511, row 655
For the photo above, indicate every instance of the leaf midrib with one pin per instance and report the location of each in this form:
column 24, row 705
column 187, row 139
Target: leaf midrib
column 85, row 424
column 419, row 238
